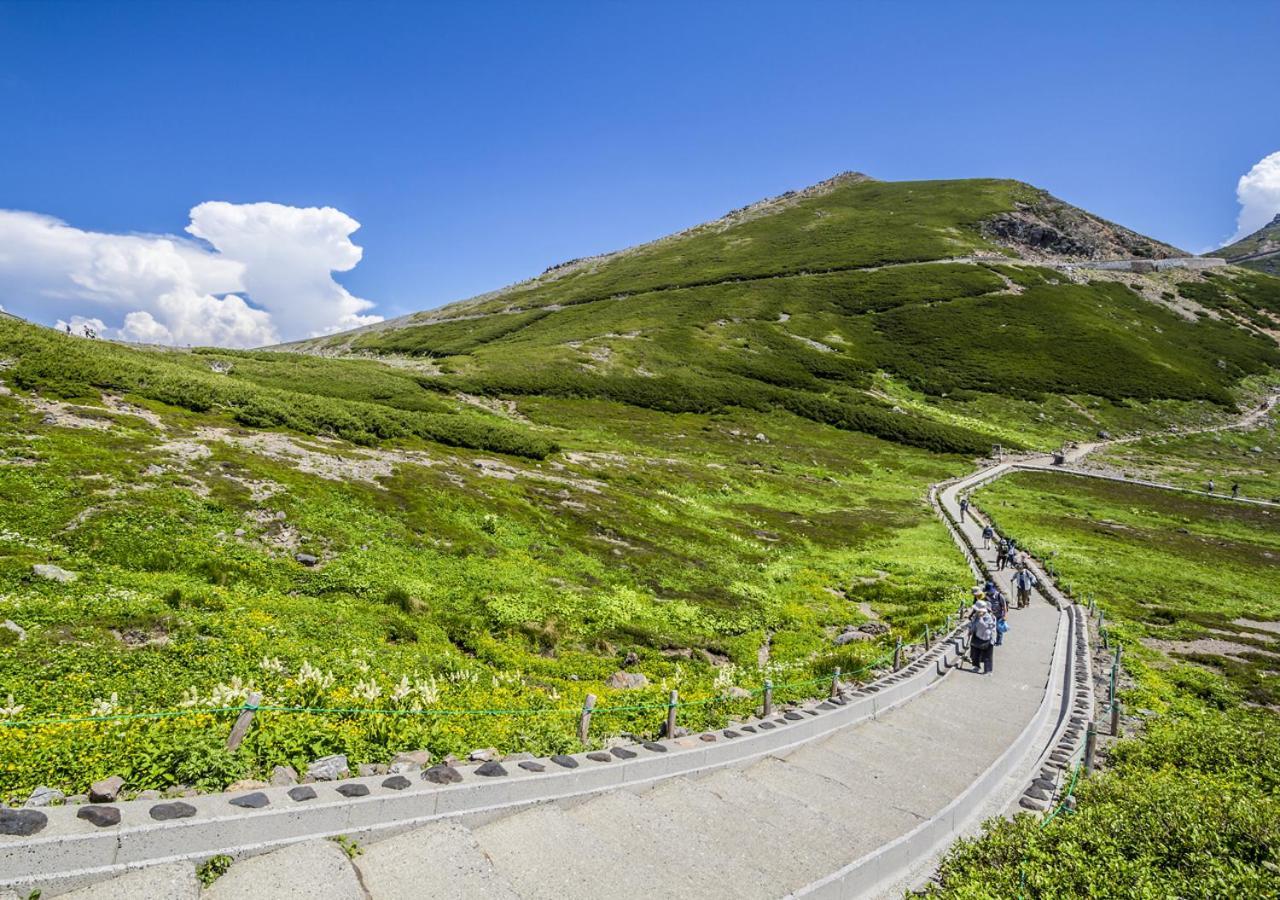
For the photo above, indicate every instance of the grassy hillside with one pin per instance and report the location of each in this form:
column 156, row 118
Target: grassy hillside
column 698, row 460
column 717, row 548
column 808, row 303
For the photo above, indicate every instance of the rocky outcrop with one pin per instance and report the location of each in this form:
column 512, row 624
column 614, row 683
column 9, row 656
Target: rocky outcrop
column 1048, row 228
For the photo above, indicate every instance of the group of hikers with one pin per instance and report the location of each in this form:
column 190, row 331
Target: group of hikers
column 988, row 618
column 1235, row 489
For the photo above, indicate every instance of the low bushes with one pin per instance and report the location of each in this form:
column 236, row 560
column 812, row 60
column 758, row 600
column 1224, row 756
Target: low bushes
column 74, row 367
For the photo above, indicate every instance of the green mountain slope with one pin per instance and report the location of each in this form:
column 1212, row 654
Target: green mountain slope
column 806, row 302
column 1260, row 250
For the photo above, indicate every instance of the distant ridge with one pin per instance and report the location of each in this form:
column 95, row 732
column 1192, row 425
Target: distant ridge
column 1260, row 250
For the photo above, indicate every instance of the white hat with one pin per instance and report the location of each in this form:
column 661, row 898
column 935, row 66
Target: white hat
column 980, row 605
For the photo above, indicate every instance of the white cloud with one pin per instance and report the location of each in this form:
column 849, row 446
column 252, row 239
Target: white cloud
column 1259, row 194
column 175, row 290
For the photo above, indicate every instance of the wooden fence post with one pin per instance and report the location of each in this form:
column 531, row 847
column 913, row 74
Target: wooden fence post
column 835, row 684
column 584, row 721
column 768, row 698
column 897, row 656
column 1090, row 747
column 243, row 721
column 926, row 638
column 1115, row 719
column 672, row 702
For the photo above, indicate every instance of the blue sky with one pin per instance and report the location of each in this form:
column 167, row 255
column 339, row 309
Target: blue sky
column 478, row 143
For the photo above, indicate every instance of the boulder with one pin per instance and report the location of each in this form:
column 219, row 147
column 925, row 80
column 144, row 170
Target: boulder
column 408, row 762
column 483, row 755
column 328, row 768
column 632, row 660
column 874, row 628
column 45, row 796
column 246, row 784
column 106, row 790
column 625, row 681
column 284, row 776
column 100, row 816
column 53, row 573
column 305, row 559
column 367, row 770
column 848, row 637
column 18, row 630
column 738, row 693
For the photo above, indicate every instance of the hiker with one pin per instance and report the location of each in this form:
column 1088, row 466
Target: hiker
column 1002, row 555
column 999, row 608
column 1210, row 485
column 964, row 507
column 982, row 633
column 1023, row 581
column 1235, row 491
column 987, row 534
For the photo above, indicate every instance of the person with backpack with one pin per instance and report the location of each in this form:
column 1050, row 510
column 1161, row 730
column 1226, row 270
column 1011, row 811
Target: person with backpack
column 1235, row 491
column 1023, row 581
column 982, row 634
column 964, row 507
column 1002, row 555
column 999, row 608
column 987, row 534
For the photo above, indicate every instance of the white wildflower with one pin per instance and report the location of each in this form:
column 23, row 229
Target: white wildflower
column 271, row 664
column 428, row 690
column 310, row 674
column 232, row 694
column 11, row 708
column 368, row 690
column 401, row 690
column 105, row 706
column 190, row 698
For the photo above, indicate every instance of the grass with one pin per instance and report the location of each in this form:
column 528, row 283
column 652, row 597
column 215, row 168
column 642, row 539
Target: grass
column 1250, row 459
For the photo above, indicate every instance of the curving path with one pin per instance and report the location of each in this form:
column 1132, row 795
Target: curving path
column 849, row 798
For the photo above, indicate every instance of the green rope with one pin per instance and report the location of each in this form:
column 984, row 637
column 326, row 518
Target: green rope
column 121, row 717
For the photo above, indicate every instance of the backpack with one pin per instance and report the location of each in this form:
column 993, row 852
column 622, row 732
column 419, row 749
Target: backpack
column 984, row 629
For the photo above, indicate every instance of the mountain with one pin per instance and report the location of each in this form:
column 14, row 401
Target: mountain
column 1260, row 250
column 827, row 300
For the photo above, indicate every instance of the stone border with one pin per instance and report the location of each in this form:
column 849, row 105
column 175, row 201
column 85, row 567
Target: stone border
column 73, row 851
